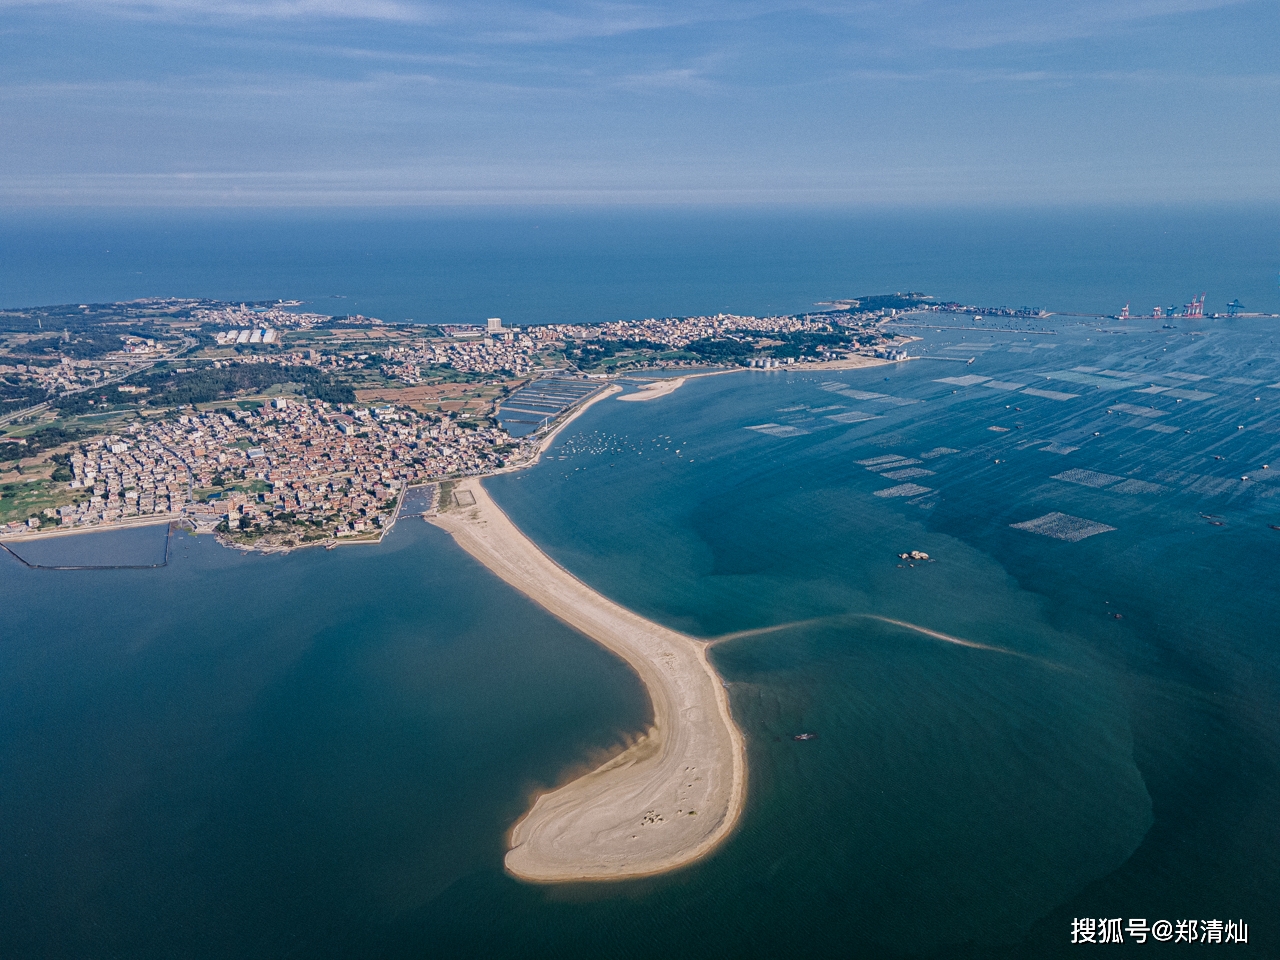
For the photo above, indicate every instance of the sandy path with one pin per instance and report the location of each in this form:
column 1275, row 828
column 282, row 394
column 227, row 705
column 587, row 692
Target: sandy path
column 671, row 797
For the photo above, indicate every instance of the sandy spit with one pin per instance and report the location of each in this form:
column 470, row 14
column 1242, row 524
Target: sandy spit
column 676, row 793
column 659, row 388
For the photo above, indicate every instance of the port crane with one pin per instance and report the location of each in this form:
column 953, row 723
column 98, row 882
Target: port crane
column 1191, row 311
column 1234, row 307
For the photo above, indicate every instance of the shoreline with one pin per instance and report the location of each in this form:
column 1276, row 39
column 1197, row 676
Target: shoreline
column 551, row 434
column 663, row 388
column 183, row 521
column 655, row 389
column 679, row 790
column 675, row 794
column 153, row 520
column 327, row 542
column 857, row 363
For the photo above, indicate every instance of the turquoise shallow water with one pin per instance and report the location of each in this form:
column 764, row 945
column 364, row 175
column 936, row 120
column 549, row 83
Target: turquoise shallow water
column 319, row 754
column 960, row 800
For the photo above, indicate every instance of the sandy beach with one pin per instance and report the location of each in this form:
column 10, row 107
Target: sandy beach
column 852, row 363
column 659, row 388
column 673, row 795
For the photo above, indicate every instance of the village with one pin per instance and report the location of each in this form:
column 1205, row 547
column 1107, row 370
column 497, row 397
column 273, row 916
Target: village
column 276, row 429
column 293, row 472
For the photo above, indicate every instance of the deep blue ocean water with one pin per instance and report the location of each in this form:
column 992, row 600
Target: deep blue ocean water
column 319, row 754
column 543, row 265
column 249, row 757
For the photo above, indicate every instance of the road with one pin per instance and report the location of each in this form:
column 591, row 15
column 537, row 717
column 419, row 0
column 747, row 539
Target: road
column 9, row 418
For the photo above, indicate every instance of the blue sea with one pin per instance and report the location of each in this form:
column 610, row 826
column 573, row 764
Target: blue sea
column 320, row 754
column 538, row 265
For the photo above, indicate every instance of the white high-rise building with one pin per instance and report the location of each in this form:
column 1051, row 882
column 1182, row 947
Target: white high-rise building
column 495, row 325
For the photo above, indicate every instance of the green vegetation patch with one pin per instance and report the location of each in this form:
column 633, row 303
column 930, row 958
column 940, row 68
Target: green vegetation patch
column 15, row 396
column 891, row 301
column 597, row 353
column 46, row 438
column 18, row 501
column 174, row 387
column 811, row 343
column 721, row 349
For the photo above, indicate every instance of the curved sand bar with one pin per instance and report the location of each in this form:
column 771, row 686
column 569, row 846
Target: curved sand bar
column 673, row 795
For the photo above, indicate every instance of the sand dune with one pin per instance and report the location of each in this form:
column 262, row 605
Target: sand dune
column 678, row 791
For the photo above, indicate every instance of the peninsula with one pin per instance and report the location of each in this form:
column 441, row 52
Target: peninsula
column 278, row 428
column 672, row 796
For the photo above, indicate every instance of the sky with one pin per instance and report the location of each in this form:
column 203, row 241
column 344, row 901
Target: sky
column 406, row 103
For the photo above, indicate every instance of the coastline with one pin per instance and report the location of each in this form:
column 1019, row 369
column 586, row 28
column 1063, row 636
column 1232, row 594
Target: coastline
column 184, row 521
column 858, row 362
column 674, row 795
column 151, row 520
column 548, row 437
column 655, row 389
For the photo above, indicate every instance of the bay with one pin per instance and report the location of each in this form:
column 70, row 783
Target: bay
column 321, row 753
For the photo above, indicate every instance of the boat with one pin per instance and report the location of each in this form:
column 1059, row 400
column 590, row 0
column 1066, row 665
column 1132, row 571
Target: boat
column 805, row 736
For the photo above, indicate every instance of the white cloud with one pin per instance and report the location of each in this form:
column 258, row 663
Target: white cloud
column 677, row 78
column 975, row 26
column 509, row 21
column 390, row 10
